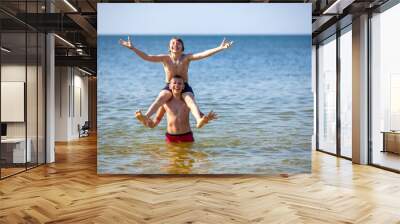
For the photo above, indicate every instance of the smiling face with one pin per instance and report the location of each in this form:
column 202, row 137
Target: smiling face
column 176, row 45
column 176, row 85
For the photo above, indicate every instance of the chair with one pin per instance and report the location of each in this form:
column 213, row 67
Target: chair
column 84, row 130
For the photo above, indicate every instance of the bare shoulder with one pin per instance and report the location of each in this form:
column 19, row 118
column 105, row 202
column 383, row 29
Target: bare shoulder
column 188, row 57
column 164, row 56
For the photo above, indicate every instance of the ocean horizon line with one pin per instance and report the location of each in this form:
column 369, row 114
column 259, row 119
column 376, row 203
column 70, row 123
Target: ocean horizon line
column 244, row 35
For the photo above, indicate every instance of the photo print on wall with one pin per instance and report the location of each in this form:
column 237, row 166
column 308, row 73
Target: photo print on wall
column 204, row 88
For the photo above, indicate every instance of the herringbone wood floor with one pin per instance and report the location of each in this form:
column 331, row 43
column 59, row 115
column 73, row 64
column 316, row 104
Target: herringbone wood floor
column 70, row 191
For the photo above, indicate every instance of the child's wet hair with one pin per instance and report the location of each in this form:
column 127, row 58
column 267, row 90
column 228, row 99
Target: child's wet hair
column 177, row 77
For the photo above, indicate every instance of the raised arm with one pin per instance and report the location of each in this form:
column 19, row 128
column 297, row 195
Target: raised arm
column 141, row 54
column 152, row 123
column 224, row 45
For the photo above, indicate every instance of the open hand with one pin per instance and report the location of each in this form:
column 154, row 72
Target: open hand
column 206, row 118
column 226, row 44
column 127, row 43
column 211, row 116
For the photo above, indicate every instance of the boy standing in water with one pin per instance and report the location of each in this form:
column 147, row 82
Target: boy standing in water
column 176, row 62
column 178, row 126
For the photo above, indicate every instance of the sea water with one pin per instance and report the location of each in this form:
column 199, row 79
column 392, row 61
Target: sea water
column 260, row 88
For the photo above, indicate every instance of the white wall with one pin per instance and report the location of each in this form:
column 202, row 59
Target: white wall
column 70, row 84
column 12, row 73
column 314, row 91
column 62, row 81
column 33, row 127
column 80, row 113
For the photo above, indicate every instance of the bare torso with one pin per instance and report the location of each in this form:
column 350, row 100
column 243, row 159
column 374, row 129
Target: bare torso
column 176, row 67
column 177, row 116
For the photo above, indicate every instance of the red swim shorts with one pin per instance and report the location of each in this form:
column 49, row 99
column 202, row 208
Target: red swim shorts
column 176, row 138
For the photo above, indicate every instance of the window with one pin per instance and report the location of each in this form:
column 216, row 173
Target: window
column 327, row 95
column 23, row 79
column 346, row 92
column 385, row 89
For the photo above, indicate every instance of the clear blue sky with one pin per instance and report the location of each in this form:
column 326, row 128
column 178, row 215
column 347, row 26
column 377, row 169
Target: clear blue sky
column 203, row 18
